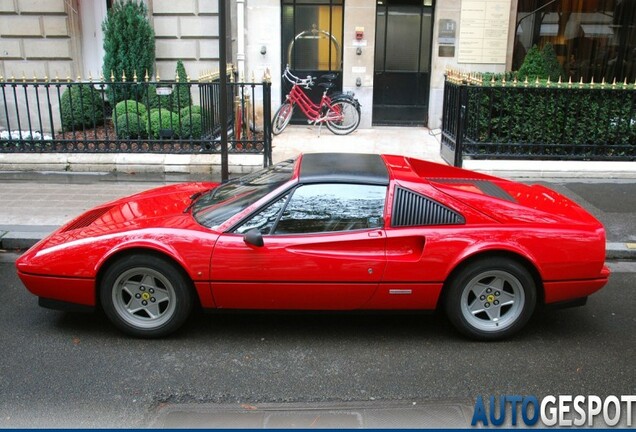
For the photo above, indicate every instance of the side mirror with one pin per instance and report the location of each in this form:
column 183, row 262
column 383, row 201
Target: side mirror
column 254, row 237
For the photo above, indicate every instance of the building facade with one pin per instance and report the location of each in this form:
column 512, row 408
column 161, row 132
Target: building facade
column 392, row 53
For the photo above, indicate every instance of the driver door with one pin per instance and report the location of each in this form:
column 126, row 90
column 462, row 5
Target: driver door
column 323, row 249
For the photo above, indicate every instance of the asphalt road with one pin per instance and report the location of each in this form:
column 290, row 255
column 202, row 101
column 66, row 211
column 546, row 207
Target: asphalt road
column 64, row 370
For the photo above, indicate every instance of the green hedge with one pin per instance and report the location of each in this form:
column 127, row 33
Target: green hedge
column 81, row 106
column 163, row 119
column 191, row 126
column 129, row 106
column 131, row 125
column 557, row 117
column 195, row 109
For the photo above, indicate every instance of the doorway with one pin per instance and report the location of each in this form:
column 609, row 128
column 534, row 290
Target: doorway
column 312, row 43
column 402, row 75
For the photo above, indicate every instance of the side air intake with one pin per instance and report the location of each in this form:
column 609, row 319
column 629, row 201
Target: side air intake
column 87, row 218
column 413, row 209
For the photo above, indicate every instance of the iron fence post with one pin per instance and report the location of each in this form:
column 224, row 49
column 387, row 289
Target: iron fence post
column 461, row 125
column 267, row 123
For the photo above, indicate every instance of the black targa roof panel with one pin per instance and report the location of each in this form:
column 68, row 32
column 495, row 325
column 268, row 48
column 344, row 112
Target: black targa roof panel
column 343, row 168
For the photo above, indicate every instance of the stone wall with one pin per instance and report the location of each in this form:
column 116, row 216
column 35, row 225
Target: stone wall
column 186, row 30
column 35, row 39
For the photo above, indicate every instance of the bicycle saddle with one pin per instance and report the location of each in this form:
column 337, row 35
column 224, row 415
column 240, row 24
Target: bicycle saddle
column 326, row 85
column 329, row 77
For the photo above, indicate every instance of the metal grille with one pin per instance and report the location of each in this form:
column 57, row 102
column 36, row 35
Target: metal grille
column 413, row 209
column 87, row 219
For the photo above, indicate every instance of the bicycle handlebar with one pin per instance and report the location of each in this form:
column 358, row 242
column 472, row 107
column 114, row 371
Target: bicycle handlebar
column 303, row 82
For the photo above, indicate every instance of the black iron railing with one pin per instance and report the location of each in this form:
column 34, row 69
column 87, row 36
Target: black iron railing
column 133, row 117
column 537, row 121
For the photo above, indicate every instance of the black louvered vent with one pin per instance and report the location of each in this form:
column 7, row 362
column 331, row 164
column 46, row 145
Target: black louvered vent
column 87, row 219
column 413, row 209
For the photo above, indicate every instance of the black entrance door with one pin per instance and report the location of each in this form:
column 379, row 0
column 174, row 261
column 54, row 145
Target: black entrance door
column 402, row 62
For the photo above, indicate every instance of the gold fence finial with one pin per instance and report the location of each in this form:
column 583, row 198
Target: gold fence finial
column 123, row 76
column 570, row 82
column 548, row 82
column 135, row 75
column 146, row 77
column 536, row 81
column 560, row 82
column 614, row 83
column 79, row 78
column 46, row 78
column 603, row 82
column 90, row 76
column 188, row 78
column 625, row 83
column 581, row 83
column 23, row 77
column 112, row 76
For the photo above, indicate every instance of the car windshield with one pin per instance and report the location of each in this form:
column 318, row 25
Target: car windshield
column 218, row 205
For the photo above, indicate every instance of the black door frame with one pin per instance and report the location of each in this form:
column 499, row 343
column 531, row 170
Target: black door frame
column 403, row 114
column 316, row 93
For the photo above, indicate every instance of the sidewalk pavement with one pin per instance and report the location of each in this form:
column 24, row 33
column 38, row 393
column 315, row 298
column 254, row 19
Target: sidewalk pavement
column 34, row 203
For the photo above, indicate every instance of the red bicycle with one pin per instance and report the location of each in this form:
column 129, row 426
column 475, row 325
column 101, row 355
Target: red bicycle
column 340, row 112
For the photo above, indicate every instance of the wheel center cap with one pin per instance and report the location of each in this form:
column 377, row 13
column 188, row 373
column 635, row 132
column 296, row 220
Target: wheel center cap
column 490, row 298
column 145, row 296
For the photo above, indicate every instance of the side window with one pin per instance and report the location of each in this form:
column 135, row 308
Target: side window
column 265, row 219
column 320, row 208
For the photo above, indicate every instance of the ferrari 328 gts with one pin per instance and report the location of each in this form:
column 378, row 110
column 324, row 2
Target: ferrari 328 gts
column 326, row 231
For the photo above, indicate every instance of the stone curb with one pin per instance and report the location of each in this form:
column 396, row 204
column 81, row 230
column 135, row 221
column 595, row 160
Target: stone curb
column 22, row 240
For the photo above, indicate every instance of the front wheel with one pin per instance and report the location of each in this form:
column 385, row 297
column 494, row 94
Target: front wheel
column 343, row 117
column 146, row 296
column 490, row 299
column 282, row 117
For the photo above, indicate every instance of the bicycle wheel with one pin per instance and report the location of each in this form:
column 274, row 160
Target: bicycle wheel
column 343, row 117
column 282, row 117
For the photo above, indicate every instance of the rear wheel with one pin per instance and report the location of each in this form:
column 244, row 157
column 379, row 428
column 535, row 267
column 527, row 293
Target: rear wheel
column 282, row 117
column 491, row 299
column 343, row 117
column 146, row 296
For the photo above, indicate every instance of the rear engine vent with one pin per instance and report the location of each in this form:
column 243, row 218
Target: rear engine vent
column 413, row 209
column 87, row 218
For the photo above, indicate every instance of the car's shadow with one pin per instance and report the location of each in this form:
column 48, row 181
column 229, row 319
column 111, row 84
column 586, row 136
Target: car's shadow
column 370, row 326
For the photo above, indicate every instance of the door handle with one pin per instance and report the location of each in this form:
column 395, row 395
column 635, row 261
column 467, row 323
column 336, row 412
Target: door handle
column 375, row 234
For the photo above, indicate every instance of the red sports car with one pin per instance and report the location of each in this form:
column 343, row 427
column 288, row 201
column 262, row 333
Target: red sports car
column 326, row 232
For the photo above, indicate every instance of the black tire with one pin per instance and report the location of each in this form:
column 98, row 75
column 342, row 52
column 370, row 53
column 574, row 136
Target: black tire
column 348, row 117
column 490, row 299
column 146, row 296
column 282, row 117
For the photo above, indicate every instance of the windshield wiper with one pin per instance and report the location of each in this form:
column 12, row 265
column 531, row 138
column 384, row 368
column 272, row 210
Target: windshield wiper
column 193, row 200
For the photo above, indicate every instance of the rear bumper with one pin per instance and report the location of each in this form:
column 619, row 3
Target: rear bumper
column 564, row 291
column 62, row 289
